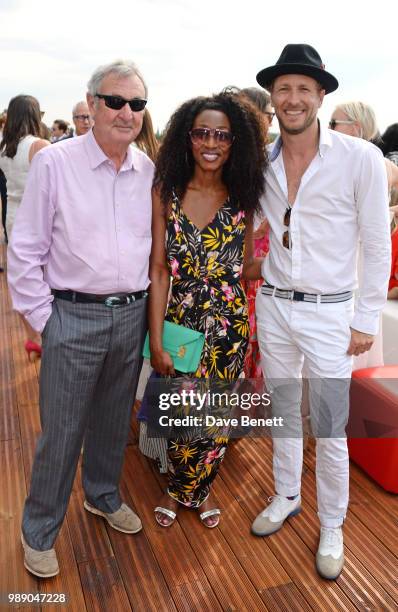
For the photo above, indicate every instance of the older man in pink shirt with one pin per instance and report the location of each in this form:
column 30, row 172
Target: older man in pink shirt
column 78, row 272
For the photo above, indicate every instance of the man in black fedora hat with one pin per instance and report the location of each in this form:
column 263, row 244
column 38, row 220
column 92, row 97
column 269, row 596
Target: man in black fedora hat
column 325, row 193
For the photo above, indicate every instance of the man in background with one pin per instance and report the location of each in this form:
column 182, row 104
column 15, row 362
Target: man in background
column 59, row 130
column 81, row 118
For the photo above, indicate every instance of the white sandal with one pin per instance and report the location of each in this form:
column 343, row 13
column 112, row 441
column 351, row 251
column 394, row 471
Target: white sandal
column 166, row 512
column 204, row 515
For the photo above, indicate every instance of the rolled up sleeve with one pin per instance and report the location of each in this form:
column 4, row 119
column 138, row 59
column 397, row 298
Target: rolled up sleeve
column 29, row 245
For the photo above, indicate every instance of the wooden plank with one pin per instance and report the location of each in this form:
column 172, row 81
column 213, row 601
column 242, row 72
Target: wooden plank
column 372, row 514
column 361, row 480
column 135, row 558
column 26, row 387
column 8, row 413
column 89, row 537
column 68, row 580
column 187, row 567
column 367, row 549
column 285, row 598
column 368, row 541
column 143, row 580
column 190, row 597
column 228, row 579
column 356, row 580
column 13, row 575
column 103, row 587
column 296, row 558
column 258, row 561
column 134, row 425
column 364, row 587
column 176, row 560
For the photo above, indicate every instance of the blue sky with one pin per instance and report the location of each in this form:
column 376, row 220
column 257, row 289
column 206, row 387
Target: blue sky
column 194, row 47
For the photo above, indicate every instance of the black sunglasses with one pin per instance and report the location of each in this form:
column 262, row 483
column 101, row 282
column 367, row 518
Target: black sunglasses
column 201, row 135
column 82, row 117
column 117, row 103
column 286, row 222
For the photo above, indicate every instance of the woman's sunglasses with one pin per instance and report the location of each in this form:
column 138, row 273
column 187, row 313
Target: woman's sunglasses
column 117, row 103
column 202, row 135
column 335, row 122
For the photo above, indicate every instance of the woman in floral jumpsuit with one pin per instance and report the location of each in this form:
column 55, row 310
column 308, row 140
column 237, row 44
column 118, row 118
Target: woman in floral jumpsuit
column 209, row 177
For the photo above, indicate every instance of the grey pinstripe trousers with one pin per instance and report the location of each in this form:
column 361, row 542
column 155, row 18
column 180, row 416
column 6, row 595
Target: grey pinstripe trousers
column 88, row 379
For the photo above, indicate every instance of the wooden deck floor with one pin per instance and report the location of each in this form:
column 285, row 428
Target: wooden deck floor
column 186, row 567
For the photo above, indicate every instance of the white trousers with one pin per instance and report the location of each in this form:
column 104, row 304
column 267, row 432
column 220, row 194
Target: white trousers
column 290, row 333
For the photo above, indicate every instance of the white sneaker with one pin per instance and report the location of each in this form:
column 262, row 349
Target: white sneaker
column 330, row 555
column 272, row 518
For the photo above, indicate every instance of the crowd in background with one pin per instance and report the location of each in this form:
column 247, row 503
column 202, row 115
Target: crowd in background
column 28, row 133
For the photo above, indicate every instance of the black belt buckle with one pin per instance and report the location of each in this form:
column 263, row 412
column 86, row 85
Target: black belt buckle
column 114, row 301
column 298, row 296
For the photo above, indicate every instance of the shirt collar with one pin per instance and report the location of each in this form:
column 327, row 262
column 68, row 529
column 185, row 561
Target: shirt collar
column 97, row 156
column 129, row 161
column 325, row 141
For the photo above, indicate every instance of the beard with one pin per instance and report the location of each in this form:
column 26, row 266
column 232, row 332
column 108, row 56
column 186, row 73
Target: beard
column 300, row 128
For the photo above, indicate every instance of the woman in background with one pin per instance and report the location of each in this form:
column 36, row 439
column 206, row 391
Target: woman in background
column 358, row 119
column 389, row 146
column 393, row 283
column 146, row 140
column 21, row 141
column 261, row 101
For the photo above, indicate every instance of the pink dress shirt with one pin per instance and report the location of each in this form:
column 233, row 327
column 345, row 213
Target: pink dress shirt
column 81, row 226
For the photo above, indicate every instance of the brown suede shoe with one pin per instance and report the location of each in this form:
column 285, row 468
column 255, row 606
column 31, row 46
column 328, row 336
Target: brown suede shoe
column 124, row 519
column 42, row 563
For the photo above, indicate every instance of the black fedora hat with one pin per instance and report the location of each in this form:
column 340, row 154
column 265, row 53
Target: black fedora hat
column 299, row 59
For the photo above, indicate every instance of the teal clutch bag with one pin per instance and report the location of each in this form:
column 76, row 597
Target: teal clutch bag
column 184, row 346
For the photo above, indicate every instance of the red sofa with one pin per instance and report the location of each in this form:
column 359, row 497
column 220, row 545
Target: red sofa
column 372, row 429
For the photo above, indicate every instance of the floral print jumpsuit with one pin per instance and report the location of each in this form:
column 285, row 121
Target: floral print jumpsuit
column 206, row 295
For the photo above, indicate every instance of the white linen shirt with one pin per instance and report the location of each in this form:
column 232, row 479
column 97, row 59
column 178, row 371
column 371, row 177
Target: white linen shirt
column 342, row 199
